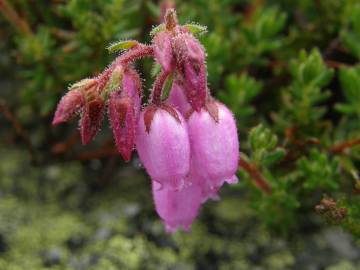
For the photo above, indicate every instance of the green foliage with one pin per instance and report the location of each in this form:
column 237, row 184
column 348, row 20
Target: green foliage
column 239, row 93
column 320, row 171
column 350, row 84
column 351, row 36
column 263, row 145
column 301, row 97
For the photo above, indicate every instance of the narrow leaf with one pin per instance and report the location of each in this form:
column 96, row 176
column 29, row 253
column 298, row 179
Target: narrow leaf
column 122, row 45
column 196, row 29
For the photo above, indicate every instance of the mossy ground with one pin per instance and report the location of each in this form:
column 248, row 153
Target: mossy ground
column 53, row 218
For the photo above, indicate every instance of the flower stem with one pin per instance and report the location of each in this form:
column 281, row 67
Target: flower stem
column 124, row 60
column 158, row 86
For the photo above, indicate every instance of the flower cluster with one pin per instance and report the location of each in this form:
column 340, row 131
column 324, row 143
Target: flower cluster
column 186, row 140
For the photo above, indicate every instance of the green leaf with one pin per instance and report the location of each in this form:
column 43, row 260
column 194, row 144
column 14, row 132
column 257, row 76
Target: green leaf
column 274, row 157
column 122, row 45
column 167, row 86
column 196, row 29
column 157, row 29
column 155, row 70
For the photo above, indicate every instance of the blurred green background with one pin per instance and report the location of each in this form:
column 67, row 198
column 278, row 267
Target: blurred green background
column 290, row 72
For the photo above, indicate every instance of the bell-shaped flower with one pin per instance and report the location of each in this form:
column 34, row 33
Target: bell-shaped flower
column 179, row 208
column 162, row 142
column 208, row 191
column 214, row 144
column 177, row 98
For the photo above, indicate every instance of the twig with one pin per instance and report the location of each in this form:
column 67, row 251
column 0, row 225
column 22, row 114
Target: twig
column 341, row 147
column 13, row 17
column 102, row 152
column 18, row 128
column 255, row 175
column 62, row 147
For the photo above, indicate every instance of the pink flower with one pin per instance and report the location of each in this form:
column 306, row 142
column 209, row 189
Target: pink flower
column 162, row 143
column 214, row 144
column 68, row 106
column 177, row 208
column 178, row 99
column 207, row 190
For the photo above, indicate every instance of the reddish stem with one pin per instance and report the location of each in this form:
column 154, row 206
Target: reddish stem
column 124, row 59
column 158, row 86
column 340, row 147
column 255, row 175
column 20, row 131
column 13, row 17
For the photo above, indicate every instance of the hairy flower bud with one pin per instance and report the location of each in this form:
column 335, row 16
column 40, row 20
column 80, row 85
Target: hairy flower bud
column 177, row 208
column 124, row 109
column 162, row 143
column 91, row 118
column 123, row 123
column 190, row 57
column 178, row 99
column 68, row 106
column 214, row 144
column 131, row 85
column 163, row 51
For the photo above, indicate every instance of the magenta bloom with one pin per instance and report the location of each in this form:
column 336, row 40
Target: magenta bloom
column 177, row 208
column 162, row 143
column 177, row 98
column 214, row 145
column 207, row 190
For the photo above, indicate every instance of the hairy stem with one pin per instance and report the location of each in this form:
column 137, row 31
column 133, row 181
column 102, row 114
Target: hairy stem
column 124, row 60
column 158, row 86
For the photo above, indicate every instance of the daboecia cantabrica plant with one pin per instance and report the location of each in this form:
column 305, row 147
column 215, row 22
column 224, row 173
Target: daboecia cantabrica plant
column 185, row 138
